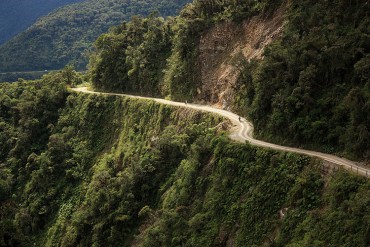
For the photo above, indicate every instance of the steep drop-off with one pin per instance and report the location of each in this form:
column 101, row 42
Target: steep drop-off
column 121, row 172
column 297, row 70
column 97, row 170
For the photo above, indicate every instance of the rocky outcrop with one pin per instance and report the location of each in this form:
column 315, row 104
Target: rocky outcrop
column 221, row 49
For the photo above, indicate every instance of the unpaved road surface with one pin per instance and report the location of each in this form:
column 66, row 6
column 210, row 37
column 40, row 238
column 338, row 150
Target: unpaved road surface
column 243, row 131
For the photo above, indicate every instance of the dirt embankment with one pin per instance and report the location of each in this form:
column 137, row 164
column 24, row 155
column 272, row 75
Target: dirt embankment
column 221, row 48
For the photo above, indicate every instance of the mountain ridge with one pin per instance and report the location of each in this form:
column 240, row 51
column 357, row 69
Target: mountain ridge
column 17, row 15
column 65, row 35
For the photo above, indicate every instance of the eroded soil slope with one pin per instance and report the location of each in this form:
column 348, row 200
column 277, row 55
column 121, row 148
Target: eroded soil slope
column 223, row 46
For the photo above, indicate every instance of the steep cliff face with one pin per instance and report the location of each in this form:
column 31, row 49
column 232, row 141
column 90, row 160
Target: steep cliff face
column 96, row 170
column 222, row 49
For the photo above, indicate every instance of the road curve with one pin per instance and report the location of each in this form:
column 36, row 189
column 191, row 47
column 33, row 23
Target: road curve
column 243, row 131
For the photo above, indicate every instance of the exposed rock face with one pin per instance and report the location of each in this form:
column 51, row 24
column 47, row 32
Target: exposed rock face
column 219, row 50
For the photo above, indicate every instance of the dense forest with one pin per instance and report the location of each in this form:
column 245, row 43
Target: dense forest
column 132, row 56
column 91, row 170
column 65, row 35
column 96, row 170
column 153, row 56
column 17, row 15
column 27, row 75
column 312, row 88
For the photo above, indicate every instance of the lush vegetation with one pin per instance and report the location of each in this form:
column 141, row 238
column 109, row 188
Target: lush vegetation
column 10, row 12
column 132, row 56
column 27, row 114
column 95, row 170
column 66, row 35
column 313, row 87
column 151, row 56
column 335, row 223
column 29, row 75
column 91, row 170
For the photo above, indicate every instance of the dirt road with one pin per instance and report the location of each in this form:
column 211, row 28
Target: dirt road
column 243, row 131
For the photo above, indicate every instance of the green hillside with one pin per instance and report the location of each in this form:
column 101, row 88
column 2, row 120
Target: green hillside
column 65, row 35
column 312, row 88
column 80, row 170
column 11, row 11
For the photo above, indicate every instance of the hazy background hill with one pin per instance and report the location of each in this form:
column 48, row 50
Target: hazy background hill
column 63, row 36
column 17, row 15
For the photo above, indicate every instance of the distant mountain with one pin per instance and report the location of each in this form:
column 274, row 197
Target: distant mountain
column 17, row 15
column 64, row 35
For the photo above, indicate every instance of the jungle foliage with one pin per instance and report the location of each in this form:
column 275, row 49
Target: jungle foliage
column 154, row 57
column 92, row 170
column 131, row 57
column 95, row 170
column 313, row 86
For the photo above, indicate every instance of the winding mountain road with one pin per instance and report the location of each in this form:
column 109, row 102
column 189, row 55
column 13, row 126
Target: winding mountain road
column 243, row 131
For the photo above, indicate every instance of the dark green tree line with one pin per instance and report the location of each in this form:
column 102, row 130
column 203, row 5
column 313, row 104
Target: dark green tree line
column 312, row 88
column 131, row 57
